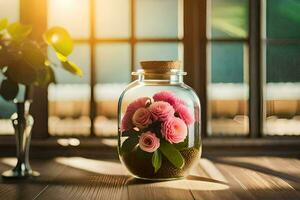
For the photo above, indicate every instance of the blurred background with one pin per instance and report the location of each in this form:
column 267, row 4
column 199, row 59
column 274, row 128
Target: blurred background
column 112, row 37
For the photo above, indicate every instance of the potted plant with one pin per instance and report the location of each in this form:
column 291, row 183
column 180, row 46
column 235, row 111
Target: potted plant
column 24, row 63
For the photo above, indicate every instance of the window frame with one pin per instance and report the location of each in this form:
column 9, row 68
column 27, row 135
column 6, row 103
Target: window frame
column 195, row 58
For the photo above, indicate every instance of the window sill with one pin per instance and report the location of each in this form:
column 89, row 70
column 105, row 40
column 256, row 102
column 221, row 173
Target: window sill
column 106, row 148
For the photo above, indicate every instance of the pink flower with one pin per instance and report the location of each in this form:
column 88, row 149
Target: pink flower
column 138, row 103
column 174, row 130
column 142, row 118
column 161, row 110
column 166, row 96
column 183, row 113
column 149, row 142
column 126, row 122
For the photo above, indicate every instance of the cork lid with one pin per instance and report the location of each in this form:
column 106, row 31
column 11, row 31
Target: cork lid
column 161, row 66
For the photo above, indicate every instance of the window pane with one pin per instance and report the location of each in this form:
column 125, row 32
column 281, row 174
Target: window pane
column 69, row 99
column 228, row 89
column 158, row 51
column 113, row 74
column 283, row 19
column 113, row 63
column 70, row 14
column 112, row 18
column 282, row 92
column 159, row 18
column 10, row 9
column 228, row 18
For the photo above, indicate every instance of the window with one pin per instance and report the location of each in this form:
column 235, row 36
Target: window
column 281, row 49
column 236, row 51
column 227, row 67
column 111, row 37
column 9, row 9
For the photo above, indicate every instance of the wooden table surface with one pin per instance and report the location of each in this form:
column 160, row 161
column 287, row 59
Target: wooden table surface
column 231, row 178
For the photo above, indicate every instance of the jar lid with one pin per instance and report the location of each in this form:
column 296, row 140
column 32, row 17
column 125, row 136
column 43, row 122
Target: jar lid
column 161, row 66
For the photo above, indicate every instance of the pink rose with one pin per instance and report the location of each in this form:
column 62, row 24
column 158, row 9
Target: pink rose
column 138, row 103
column 166, row 96
column 149, row 142
column 183, row 113
column 142, row 118
column 126, row 122
column 174, row 130
column 161, row 110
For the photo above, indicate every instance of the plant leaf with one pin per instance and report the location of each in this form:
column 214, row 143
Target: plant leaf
column 59, row 39
column 9, row 89
column 72, row 67
column 130, row 133
column 21, row 72
column 156, row 160
column 33, row 55
column 143, row 155
column 3, row 23
column 45, row 76
column 129, row 144
column 172, row 154
column 182, row 145
column 19, row 31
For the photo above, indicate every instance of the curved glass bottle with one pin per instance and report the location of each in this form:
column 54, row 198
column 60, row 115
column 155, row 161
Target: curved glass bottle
column 159, row 123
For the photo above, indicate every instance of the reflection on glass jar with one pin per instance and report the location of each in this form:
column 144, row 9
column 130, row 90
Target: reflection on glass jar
column 159, row 123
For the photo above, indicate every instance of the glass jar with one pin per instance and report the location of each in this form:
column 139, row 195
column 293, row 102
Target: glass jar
column 159, row 123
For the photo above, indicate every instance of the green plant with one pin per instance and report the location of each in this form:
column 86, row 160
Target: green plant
column 25, row 61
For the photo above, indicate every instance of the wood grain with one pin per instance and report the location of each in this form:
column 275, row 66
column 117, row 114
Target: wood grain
column 232, row 178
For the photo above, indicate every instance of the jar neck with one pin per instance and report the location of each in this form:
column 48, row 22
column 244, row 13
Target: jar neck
column 171, row 78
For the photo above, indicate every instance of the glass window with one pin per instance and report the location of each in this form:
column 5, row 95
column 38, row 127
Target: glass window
column 113, row 63
column 159, row 18
column 11, row 11
column 112, row 19
column 228, row 88
column 281, row 67
column 158, row 51
column 69, row 99
column 283, row 19
column 113, row 74
column 228, row 19
column 70, row 14
column 227, row 67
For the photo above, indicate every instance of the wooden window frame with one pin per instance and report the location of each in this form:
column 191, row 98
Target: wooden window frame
column 195, row 41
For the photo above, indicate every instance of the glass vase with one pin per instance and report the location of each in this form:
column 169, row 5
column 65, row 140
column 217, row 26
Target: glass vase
column 159, row 134
column 22, row 122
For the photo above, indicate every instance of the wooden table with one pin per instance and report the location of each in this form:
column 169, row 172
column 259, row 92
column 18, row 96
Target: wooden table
column 215, row 178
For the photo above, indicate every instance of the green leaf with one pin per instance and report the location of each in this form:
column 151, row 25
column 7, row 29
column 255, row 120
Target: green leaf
column 72, row 67
column 156, row 160
column 33, row 55
column 182, row 145
column 143, row 155
column 61, row 57
column 3, row 23
column 19, row 31
column 172, row 154
column 9, row 89
column 45, row 77
column 60, row 40
column 129, row 144
column 130, row 133
column 21, row 72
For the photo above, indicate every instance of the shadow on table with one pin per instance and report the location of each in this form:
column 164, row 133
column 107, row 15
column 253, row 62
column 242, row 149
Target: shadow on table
column 257, row 168
column 81, row 171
